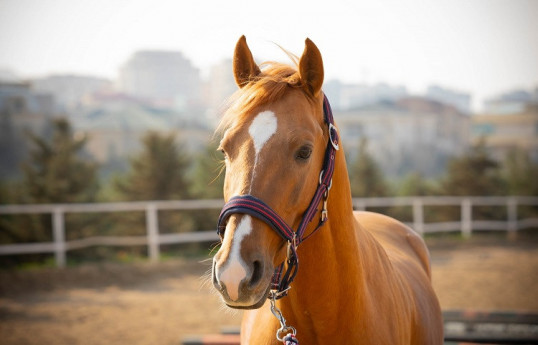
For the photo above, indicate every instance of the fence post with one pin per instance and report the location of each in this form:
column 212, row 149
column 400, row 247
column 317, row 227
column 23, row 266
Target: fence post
column 466, row 217
column 152, row 225
column 361, row 205
column 58, row 228
column 511, row 205
column 418, row 216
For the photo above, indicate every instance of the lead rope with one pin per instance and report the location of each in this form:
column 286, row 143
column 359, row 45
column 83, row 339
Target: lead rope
column 285, row 334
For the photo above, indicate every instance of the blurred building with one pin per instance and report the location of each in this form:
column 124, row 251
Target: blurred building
column 513, row 102
column 165, row 78
column 23, row 108
column 22, row 111
column 459, row 100
column 413, row 134
column 70, row 90
column 8, row 76
column 350, row 96
column 508, row 131
column 115, row 124
column 218, row 88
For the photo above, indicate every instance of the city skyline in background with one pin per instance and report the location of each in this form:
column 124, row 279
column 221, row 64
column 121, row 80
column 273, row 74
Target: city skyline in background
column 483, row 48
column 407, row 79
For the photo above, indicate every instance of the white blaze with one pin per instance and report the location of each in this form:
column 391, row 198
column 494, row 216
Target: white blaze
column 262, row 128
column 236, row 269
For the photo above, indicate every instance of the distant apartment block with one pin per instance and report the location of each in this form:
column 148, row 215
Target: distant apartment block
column 511, row 102
column 166, row 78
column 351, row 96
column 116, row 123
column 70, row 90
column 411, row 135
column 459, row 100
column 21, row 111
column 219, row 87
column 24, row 108
column 508, row 131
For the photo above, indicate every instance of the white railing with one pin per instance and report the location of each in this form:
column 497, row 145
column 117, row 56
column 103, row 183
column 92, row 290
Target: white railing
column 466, row 224
column 153, row 239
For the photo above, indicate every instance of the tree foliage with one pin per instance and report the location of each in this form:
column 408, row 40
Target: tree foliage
column 415, row 184
column 57, row 172
column 207, row 183
column 158, row 172
column 366, row 177
column 474, row 173
column 520, row 173
column 208, row 174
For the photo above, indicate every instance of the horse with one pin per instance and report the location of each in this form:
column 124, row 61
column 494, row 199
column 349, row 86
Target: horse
column 364, row 278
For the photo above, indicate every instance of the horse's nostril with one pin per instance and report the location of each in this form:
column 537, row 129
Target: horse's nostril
column 214, row 277
column 257, row 272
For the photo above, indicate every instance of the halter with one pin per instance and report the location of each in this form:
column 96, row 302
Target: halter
column 248, row 204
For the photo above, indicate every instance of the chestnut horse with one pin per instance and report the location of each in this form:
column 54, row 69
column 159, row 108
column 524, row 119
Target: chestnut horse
column 364, row 278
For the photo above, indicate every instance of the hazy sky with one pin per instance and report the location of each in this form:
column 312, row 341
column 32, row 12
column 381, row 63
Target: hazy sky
column 479, row 46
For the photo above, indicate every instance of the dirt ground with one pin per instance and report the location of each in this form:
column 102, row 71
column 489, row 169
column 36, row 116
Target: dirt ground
column 140, row 304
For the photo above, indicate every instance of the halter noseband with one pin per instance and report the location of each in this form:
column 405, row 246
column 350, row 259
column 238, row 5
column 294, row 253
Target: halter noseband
column 248, row 204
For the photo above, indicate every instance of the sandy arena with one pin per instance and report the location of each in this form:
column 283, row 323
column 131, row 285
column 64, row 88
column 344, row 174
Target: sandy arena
column 141, row 304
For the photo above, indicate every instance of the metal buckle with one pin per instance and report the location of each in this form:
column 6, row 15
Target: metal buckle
column 292, row 247
column 334, row 141
column 321, row 180
column 324, row 211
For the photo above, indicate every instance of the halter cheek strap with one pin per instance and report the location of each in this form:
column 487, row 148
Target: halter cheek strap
column 248, row 204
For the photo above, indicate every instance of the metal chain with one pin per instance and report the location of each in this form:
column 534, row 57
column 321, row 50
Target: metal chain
column 284, row 329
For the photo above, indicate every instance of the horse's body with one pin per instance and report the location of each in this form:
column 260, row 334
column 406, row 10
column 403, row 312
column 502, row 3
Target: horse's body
column 364, row 278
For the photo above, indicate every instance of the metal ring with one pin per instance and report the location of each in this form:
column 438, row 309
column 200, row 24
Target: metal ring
column 321, row 180
column 285, row 330
column 334, row 141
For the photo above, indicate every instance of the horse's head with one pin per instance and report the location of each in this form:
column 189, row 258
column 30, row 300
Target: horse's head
column 274, row 142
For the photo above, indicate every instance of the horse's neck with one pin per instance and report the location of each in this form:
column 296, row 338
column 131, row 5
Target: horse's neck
column 331, row 283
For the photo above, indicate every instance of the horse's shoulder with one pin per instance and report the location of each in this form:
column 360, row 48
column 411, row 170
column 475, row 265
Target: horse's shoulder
column 395, row 237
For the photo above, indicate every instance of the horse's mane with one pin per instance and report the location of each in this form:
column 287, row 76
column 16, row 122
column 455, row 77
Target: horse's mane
column 262, row 89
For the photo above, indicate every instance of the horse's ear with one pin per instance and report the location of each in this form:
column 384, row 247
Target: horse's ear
column 311, row 68
column 244, row 66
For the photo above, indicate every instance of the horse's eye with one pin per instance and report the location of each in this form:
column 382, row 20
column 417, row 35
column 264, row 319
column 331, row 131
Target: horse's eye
column 303, row 153
column 223, row 153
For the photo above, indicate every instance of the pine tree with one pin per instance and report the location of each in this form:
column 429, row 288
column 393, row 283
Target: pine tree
column 159, row 172
column 414, row 184
column 207, row 183
column 57, row 172
column 520, row 173
column 474, row 173
column 208, row 174
column 366, row 177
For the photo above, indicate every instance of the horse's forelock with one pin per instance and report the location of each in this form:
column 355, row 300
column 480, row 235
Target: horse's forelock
column 264, row 89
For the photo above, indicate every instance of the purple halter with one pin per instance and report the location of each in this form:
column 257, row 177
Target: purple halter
column 248, row 204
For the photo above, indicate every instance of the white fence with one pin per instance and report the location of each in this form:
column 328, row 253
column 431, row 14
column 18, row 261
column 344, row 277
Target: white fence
column 153, row 239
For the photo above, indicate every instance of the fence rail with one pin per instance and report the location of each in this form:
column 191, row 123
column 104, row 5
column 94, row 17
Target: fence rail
column 153, row 239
